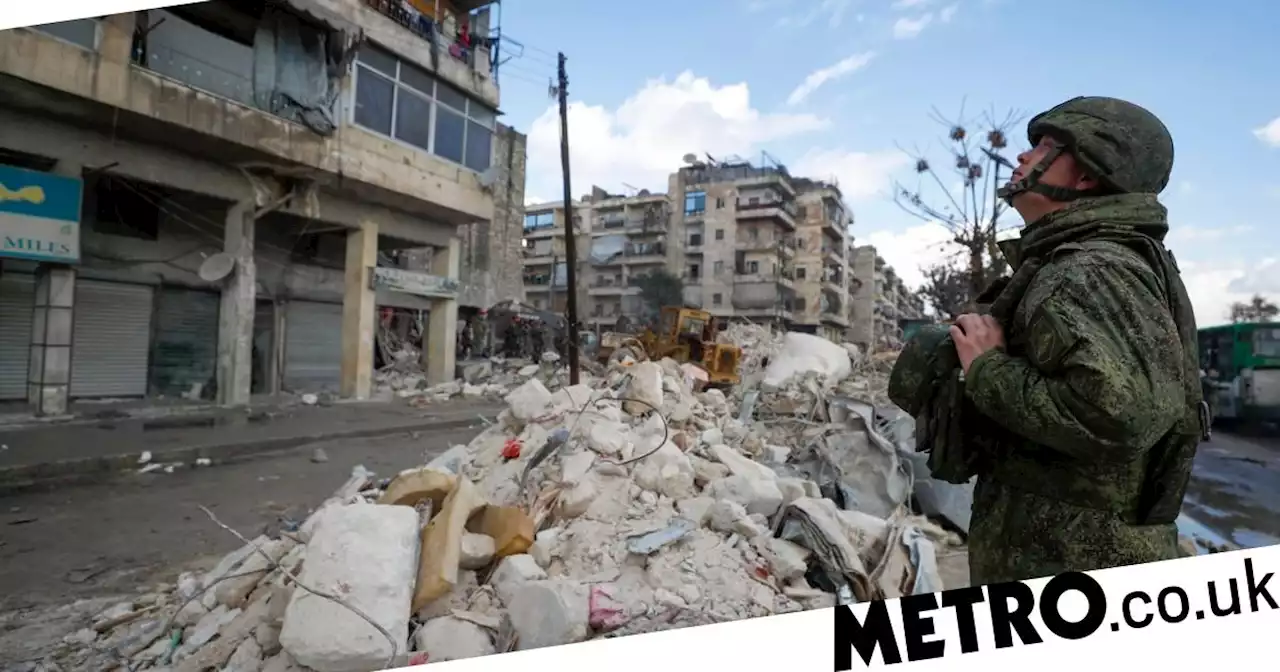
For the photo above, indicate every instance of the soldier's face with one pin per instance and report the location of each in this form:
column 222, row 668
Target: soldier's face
column 1063, row 172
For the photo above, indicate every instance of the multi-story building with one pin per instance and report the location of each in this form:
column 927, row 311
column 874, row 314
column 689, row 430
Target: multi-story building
column 821, row 265
column 203, row 192
column 545, row 272
column 881, row 301
column 629, row 239
column 749, row 242
column 738, row 223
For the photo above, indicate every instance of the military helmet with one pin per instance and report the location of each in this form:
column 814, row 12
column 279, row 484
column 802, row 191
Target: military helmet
column 1124, row 146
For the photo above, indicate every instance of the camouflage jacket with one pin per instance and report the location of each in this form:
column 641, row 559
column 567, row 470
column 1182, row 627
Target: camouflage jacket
column 1097, row 391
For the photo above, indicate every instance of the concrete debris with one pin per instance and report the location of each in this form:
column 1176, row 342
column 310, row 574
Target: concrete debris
column 632, row 502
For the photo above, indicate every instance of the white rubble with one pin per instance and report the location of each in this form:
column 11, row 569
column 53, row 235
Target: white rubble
column 608, row 517
column 368, row 554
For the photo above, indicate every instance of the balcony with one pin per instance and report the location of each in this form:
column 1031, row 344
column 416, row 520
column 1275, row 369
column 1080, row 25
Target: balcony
column 780, row 211
column 469, row 64
column 832, row 252
column 610, row 288
column 694, row 246
column 644, row 253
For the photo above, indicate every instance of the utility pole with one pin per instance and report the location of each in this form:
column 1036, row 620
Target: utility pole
column 571, row 247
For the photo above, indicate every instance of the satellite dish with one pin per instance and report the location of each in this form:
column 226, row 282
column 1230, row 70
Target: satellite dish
column 690, row 158
column 217, row 267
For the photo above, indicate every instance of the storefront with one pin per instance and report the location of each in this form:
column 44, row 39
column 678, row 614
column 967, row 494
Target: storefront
column 17, row 303
column 312, row 347
column 111, row 339
column 184, row 352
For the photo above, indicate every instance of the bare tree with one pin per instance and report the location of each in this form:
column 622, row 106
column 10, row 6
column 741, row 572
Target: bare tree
column 972, row 215
column 1258, row 309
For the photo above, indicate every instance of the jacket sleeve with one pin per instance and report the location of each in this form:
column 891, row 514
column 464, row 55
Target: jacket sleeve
column 1101, row 377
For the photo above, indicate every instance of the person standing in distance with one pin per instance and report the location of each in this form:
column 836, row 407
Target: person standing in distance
column 1093, row 376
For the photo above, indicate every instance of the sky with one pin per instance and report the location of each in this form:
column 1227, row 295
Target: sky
column 844, row 89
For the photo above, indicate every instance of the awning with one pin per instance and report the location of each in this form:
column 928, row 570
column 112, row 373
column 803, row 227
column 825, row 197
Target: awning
column 324, row 17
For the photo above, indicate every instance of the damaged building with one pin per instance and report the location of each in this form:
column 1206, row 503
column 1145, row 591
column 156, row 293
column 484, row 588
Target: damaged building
column 747, row 240
column 208, row 200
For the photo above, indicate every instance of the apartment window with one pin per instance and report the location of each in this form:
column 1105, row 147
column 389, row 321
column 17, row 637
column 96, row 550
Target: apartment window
column 695, row 202
column 800, row 212
column 694, row 271
column 695, row 239
column 755, row 234
column 537, row 303
column 80, row 32
column 720, row 203
column 753, row 267
column 718, row 268
column 717, row 299
column 402, row 101
column 798, row 303
column 800, row 272
column 598, row 310
column 539, row 220
column 719, row 234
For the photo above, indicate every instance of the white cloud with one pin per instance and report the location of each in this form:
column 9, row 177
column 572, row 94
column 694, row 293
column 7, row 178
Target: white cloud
column 860, row 175
column 1269, row 134
column 1214, row 286
column 1193, row 235
column 905, row 29
column 908, row 4
column 912, row 249
column 830, row 73
column 948, row 12
column 642, row 141
column 832, row 12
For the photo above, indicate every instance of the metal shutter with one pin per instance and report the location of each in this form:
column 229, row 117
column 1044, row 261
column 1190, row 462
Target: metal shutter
column 111, row 339
column 185, row 351
column 17, row 303
column 312, row 347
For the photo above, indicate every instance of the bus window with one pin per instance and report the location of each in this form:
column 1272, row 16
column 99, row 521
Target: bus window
column 1266, row 342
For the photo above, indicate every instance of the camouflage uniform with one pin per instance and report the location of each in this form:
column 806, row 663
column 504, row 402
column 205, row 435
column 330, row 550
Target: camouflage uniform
column 1083, row 428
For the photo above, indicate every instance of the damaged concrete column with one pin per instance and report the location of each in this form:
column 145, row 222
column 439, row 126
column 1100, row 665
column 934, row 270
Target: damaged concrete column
column 235, row 319
column 358, row 311
column 442, row 330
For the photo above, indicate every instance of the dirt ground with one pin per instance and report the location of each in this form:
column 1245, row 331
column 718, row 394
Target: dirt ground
column 84, row 543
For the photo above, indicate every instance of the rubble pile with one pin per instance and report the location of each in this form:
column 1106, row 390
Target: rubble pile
column 631, row 502
column 489, row 379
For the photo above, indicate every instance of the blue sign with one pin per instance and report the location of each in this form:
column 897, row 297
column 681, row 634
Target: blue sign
column 39, row 215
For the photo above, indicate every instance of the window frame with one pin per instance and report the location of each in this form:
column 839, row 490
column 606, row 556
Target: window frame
column 97, row 32
column 487, row 120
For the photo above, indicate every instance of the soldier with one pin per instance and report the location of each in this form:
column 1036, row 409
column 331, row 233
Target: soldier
column 1080, row 402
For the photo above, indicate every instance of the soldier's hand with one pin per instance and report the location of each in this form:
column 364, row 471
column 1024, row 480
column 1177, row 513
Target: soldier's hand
column 975, row 334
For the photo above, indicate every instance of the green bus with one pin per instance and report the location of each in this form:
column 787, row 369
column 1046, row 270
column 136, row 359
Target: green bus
column 1240, row 371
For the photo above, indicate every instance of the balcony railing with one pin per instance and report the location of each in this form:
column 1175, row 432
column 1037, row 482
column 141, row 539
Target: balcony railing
column 430, row 31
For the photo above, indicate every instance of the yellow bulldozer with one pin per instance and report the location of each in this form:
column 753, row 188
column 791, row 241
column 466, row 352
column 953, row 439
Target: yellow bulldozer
column 686, row 335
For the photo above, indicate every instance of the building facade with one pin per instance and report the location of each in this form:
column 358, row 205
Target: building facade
column 881, row 301
column 747, row 242
column 235, row 173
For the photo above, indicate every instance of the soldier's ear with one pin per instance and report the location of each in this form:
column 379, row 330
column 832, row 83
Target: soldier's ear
column 1086, row 182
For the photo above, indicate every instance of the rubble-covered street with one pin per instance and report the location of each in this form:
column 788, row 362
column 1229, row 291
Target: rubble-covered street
column 632, row 502
column 625, row 504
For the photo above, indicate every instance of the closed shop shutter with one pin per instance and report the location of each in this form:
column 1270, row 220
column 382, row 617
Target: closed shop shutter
column 111, row 339
column 17, row 302
column 312, row 347
column 185, row 352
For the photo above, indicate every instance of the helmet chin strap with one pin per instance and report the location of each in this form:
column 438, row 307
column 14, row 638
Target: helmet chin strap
column 1031, row 182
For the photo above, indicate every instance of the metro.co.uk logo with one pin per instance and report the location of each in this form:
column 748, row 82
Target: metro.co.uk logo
column 1009, row 607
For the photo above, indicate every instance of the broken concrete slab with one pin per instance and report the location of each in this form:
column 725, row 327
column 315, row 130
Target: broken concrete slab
column 368, row 554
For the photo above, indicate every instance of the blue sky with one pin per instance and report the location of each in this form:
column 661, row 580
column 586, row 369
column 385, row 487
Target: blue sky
column 651, row 82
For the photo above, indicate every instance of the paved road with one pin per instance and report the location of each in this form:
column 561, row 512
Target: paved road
column 1235, row 489
column 140, row 529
